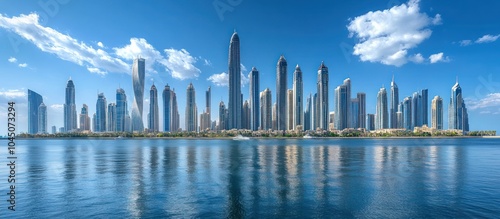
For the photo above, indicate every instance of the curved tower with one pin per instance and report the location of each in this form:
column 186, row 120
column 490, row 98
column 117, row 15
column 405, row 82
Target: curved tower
column 138, row 72
column 235, row 104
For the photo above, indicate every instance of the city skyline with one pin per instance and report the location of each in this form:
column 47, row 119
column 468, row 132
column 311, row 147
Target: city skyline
column 479, row 83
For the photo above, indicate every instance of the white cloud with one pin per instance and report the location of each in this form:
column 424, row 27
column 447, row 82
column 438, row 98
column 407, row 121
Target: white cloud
column 23, row 65
column 207, row 62
column 57, row 107
column 13, row 94
column 438, row 57
column 491, row 101
column 180, row 64
column 386, row 36
column 12, row 60
column 417, row 58
column 221, row 79
column 96, row 70
column 465, row 42
column 487, row 39
column 62, row 45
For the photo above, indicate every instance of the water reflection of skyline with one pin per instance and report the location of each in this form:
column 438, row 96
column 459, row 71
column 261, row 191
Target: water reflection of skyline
column 261, row 178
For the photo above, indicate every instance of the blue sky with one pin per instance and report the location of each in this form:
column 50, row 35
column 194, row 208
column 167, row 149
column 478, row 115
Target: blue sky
column 425, row 44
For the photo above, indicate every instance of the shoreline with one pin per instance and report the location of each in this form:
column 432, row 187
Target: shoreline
column 256, row 138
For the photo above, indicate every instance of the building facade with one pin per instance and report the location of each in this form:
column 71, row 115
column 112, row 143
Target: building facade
column 138, row 74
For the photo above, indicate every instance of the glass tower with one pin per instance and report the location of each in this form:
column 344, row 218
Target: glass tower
column 34, row 101
column 70, row 107
column 191, row 109
column 138, row 73
column 281, row 93
column 121, row 110
column 254, row 99
column 235, row 102
column 381, row 117
column 100, row 115
column 153, row 120
column 298, row 93
column 322, row 101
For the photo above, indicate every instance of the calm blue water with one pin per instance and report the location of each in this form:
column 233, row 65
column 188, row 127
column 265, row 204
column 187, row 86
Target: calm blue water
column 295, row 178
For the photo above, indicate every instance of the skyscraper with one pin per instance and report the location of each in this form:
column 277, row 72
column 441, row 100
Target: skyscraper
column 254, row 99
column 266, row 109
column 138, row 72
column 289, row 109
column 381, row 117
column 424, row 107
column 205, row 117
column 275, row 119
column 235, row 102
column 167, row 108
column 347, row 84
column 307, row 113
column 341, row 107
column 121, row 110
column 406, row 110
column 84, row 118
column 394, row 104
column 370, row 122
column 298, row 98
column 281, row 93
column 42, row 119
column 437, row 113
column 315, row 112
column 100, row 115
column 354, row 113
column 457, row 116
column 222, row 116
column 322, row 86
column 111, row 118
column 245, row 120
column 154, row 117
column 416, row 110
column 34, row 101
column 191, row 109
column 362, row 110
column 70, row 108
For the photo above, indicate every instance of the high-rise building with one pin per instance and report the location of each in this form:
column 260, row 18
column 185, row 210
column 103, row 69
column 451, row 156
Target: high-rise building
column 437, row 113
column 347, row 84
column 362, row 110
column 167, row 109
column 381, row 117
column 54, row 129
column 154, row 112
column 121, row 110
column 341, row 107
column 138, row 73
column 354, row 113
column 416, row 113
column 191, row 109
column 222, row 116
column 275, row 119
column 298, row 98
column 315, row 112
column 175, row 113
column 42, row 119
column 424, row 107
column 458, row 117
column 281, row 94
column 406, row 110
column 245, row 121
column 331, row 121
column 254, row 99
column 322, row 102
column 100, row 115
column 266, row 109
column 289, row 109
column 205, row 117
column 235, row 101
column 370, row 122
column 307, row 113
column 34, row 101
column 70, row 107
column 84, row 118
column 394, row 104
column 111, row 118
